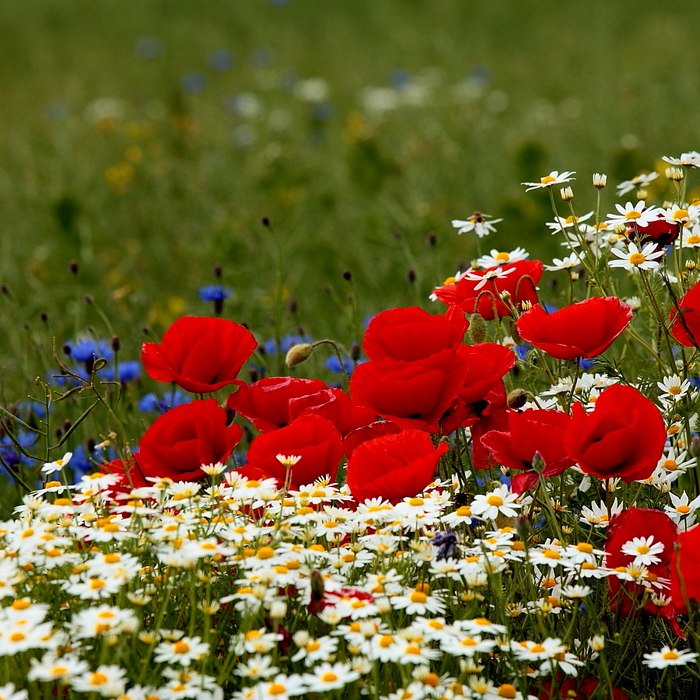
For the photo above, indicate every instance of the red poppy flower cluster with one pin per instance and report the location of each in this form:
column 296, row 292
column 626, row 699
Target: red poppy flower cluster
column 430, row 381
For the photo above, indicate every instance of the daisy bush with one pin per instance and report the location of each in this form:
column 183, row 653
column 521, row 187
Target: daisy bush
column 497, row 499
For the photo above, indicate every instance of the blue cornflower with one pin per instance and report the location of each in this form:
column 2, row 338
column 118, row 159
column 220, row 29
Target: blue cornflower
column 446, row 543
column 152, row 402
column 333, row 364
column 30, row 407
column 127, row 371
column 521, row 351
column 193, row 82
column 322, row 111
column 400, row 79
column 214, row 292
column 586, row 364
column 87, row 350
column 148, row 47
column 220, row 60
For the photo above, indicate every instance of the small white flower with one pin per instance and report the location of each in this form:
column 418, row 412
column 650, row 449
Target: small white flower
column 636, row 182
column 691, row 159
column 636, row 259
column 496, row 257
column 644, row 550
column 567, row 263
column 51, row 467
column 501, row 501
column 484, row 278
column 669, row 657
column 673, row 387
column 554, row 178
column 637, row 213
column 481, row 224
column 561, row 223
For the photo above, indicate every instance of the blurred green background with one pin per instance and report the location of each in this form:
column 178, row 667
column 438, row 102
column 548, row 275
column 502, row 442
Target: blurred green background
column 146, row 141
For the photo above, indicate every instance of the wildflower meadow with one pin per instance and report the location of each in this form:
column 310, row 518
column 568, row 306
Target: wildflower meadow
column 299, row 452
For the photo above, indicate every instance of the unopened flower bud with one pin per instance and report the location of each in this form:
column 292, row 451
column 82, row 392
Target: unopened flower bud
column 690, row 265
column 597, row 642
column 298, row 354
column 477, row 329
column 567, row 194
column 599, row 180
column 278, row 609
column 675, row 174
column 538, row 463
column 642, row 194
column 518, row 398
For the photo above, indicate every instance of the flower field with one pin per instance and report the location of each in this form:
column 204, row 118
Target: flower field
column 284, row 412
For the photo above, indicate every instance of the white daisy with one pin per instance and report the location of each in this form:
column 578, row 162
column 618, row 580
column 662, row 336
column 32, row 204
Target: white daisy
column 636, row 259
column 51, row 467
column 639, row 181
column 500, row 501
column 669, row 657
column 481, row 224
column 496, row 257
column 672, row 387
column 644, row 550
column 691, row 159
column 485, row 277
column 328, row 677
column 554, row 178
column 566, row 263
column 637, row 213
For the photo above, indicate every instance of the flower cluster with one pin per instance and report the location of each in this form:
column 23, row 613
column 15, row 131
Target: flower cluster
column 502, row 501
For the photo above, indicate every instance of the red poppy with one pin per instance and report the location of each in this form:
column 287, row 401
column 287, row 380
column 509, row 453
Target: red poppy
column 180, row 441
column 266, row 402
column 335, row 405
column 661, row 231
column 685, row 320
column 623, row 436
column 394, row 466
column 576, row 689
column 626, row 596
column 311, row 438
column 530, row 433
column 584, row 329
column 200, row 354
column 520, row 285
column 411, row 334
column 483, row 391
column 411, row 394
column 375, row 429
column 685, row 569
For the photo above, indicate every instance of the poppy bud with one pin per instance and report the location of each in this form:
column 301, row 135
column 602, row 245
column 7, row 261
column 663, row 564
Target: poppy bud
column 477, row 328
column 518, row 398
column 298, row 354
